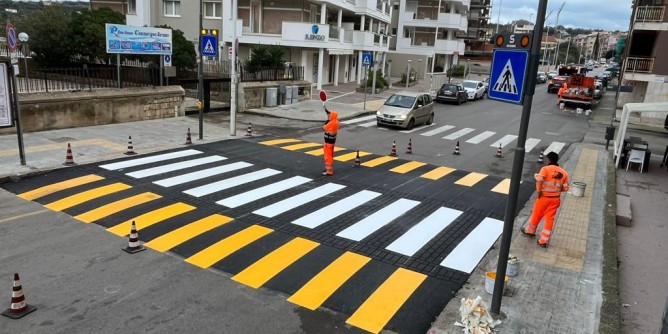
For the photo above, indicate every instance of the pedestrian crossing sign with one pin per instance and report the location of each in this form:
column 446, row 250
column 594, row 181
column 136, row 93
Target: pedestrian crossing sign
column 209, row 46
column 507, row 75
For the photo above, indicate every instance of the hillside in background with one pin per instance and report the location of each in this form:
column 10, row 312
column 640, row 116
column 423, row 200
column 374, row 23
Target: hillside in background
column 25, row 8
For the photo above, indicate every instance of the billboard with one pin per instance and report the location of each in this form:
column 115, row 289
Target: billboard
column 138, row 40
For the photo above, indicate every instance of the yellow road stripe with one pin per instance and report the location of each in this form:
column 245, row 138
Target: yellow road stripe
column 115, row 207
column 503, row 187
column 223, row 248
column 379, row 308
column 300, row 146
column 319, row 151
column 52, row 188
column 278, row 141
column 438, row 173
column 86, row 196
column 273, row 263
column 378, row 161
column 185, row 233
column 407, row 167
column 325, row 283
column 350, row 156
column 471, row 179
column 151, row 218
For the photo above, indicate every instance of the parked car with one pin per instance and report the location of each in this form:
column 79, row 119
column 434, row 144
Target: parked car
column 405, row 110
column 553, row 85
column 486, row 83
column 599, row 89
column 475, row 89
column 541, row 77
column 451, row 93
column 552, row 74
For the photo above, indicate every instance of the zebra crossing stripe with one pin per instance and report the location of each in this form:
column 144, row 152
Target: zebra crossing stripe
column 148, row 160
column 459, row 133
column 115, row 207
column 56, row 187
column 298, row 200
column 502, row 187
column 555, row 147
column 380, row 218
column 224, row 248
column 438, row 173
column 336, row 209
column 418, row 128
column 320, row 151
column 185, row 178
column 505, row 140
column 471, row 179
column 273, row 263
column 327, row 281
column 86, row 196
column 359, row 119
column 350, row 156
column 378, row 161
column 278, row 141
column 151, row 218
column 368, row 125
column 530, row 144
column 407, row 167
column 437, row 130
column 262, row 192
column 468, row 253
column 380, row 307
column 419, row 235
column 479, row 138
column 231, row 182
column 174, row 167
column 296, row 147
column 174, row 238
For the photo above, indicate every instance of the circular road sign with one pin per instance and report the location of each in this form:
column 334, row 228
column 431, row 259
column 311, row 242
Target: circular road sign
column 11, row 37
column 323, row 96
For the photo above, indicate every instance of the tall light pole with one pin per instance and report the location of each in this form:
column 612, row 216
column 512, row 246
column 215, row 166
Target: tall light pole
column 498, row 17
column 23, row 37
column 546, row 34
column 556, row 50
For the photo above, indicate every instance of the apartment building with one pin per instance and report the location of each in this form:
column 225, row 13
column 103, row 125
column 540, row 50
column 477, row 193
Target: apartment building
column 646, row 65
column 522, row 27
column 326, row 37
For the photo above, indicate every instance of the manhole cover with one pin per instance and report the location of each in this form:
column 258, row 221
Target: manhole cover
column 63, row 139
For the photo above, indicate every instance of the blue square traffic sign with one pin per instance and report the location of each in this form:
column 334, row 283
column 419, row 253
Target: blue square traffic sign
column 506, row 81
column 209, row 46
column 367, row 59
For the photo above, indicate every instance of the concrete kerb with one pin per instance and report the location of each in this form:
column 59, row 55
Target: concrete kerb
column 310, row 110
column 609, row 322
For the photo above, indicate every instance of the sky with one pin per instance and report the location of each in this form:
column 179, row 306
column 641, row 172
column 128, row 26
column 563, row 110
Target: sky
column 608, row 15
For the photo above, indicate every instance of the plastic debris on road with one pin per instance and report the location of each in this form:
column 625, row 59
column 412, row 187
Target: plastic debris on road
column 475, row 317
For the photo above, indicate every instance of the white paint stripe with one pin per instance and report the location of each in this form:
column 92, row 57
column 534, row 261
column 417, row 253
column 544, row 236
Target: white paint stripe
column 148, row 160
column 419, row 235
column 418, row 128
column 298, row 200
column 342, row 95
column 466, row 256
column 438, row 130
column 479, row 138
column 262, row 192
column 380, row 218
column 359, row 119
column 319, row 217
column 458, row 134
column 231, row 182
column 507, row 139
column 185, row 178
column 530, row 144
column 368, row 125
column 174, row 167
column 555, row 147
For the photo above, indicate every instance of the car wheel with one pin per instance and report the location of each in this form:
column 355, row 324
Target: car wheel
column 411, row 124
column 431, row 119
column 379, row 125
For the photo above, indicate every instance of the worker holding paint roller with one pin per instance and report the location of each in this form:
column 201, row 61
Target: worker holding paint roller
column 331, row 128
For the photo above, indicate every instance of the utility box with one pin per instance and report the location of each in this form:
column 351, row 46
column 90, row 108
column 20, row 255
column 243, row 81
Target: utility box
column 295, row 94
column 271, row 96
column 281, row 94
column 288, row 94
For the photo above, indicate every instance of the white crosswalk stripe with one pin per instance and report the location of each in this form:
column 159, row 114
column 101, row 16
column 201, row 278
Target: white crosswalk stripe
column 418, row 128
column 459, row 133
column 380, row 218
column 334, row 210
column 437, row 130
column 198, row 175
column 368, row 125
column 262, row 192
column 505, row 140
column 148, row 160
column 419, row 235
column 468, row 253
column 298, row 200
column 555, row 147
column 479, row 138
column 174, row 167
column 231, row 182
column 359, row 119
column 530, row 144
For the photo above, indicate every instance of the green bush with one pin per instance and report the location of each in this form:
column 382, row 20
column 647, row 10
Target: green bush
column 413, row 76
column 456, row 71
column 381, row 82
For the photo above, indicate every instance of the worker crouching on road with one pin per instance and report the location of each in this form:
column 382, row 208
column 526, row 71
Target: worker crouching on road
column 550, row 183
column 331, row 127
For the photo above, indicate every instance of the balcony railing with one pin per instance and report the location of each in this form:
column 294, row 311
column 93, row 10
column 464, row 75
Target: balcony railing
column 649, row 13
column 334, row 33
column 640, row 64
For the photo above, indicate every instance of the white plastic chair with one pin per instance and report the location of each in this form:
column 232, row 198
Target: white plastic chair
column 638, row 157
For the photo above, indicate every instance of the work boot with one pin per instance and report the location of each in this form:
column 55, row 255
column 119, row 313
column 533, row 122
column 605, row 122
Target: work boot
column 326, row 174
column 544, row 245
column 524, row 231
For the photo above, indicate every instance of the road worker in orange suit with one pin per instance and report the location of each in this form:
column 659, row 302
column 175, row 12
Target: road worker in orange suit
column 550, row 183
column 561, row 91
column 331, row 127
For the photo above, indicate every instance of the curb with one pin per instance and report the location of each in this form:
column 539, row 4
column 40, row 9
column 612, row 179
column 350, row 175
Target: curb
column 609, row 322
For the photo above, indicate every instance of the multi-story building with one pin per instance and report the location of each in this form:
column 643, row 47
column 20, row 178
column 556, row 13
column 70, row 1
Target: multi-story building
column 522, row 27
column 646, row 65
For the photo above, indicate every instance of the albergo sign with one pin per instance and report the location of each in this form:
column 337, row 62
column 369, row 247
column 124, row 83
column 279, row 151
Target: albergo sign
column 313, row 36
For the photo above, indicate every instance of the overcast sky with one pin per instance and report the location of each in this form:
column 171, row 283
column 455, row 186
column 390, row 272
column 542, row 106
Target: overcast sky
column 590, row 14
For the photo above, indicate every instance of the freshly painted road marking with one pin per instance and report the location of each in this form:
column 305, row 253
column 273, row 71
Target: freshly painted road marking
column 86, row 196
column 4, row 220
column 56, row 187
column 458, row 134
column 174, row 167
column 407, row 167
column 438, row 130
column 336, row 209
column 350, row 156
column 378, row 161
column 148, row 160
column 502, row 187
column 198, row 175
column 505, row 140
column 359, row 119
column 380, row 218
column 368, row 124
column 115, row 207
column 479, row 138
column 296, row 147
column 471, row 179
column 320, row 151
column 419, row 235
column 555, row 147
column 150, row 218
column 468, row 253
column 262, row 192
column 530, row 144
column 298, row 200
column 182, row 234
column 418, row 128
column 223, row 248
column 278, row 141
column 438, row 173
column 231, row 182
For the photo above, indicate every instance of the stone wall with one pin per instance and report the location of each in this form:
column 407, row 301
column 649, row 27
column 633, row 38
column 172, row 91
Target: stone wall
column 253, row 94
column 49, row 111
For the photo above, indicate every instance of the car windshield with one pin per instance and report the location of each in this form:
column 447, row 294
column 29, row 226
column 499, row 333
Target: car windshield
column 470, row 84
column 451, row 88
column 400, row 101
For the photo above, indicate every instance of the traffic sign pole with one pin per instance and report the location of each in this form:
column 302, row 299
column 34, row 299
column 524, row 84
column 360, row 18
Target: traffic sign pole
column 518, row 161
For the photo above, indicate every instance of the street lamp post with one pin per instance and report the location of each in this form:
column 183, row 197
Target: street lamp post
column 23, row 37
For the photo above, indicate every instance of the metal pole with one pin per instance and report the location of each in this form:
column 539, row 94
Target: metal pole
column 546, row 34
column 408, row 73
column 366, row 71
column 624, row 63
column 19, row 128
column 162, row 68
column 498, row 17
column 200, row 75
column 373, row 80
column 25, row 62
column 518, row 161
column 556, row 24
column 233, row 72
column 118, row 69
column 568, row 49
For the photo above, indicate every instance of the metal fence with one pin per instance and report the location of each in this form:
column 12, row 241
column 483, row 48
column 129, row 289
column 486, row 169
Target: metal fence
column 86, row 78
column 272, row 74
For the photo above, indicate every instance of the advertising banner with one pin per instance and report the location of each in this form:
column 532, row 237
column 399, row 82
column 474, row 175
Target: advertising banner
column 138, row 40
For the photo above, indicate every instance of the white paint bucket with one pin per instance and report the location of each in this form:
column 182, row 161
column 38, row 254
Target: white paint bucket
column 490, row 277
column 578, row 189
column 513, row 269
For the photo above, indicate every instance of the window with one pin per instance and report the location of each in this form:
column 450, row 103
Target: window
column 213, row 10
column 132, row 6
column 394, row 31
column 172, row 8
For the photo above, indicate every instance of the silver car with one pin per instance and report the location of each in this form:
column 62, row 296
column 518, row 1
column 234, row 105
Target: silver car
column 405, row 110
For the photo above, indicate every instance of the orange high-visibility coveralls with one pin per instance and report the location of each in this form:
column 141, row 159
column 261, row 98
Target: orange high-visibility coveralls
column 559, row 93
column 331, row 128
column 550, row 182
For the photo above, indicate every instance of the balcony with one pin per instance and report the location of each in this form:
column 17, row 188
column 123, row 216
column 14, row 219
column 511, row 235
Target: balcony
column 639, row 64
column 441, row 20
column 449, row 46
column 649, row 14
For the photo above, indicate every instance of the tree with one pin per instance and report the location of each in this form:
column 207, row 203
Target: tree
column 265, row 56
column 49, row 32
column 87, row 32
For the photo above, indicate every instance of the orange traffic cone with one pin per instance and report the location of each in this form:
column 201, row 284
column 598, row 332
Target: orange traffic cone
column 357, row 159
column 456, row 152
column 133, row 241
column 498, row 152
column 409, row 150
column 393, row 153
column 131, row 150
column 249, row 130
column 69, row 159
column 540, row 157
column 188, row 140
column 19, row 307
